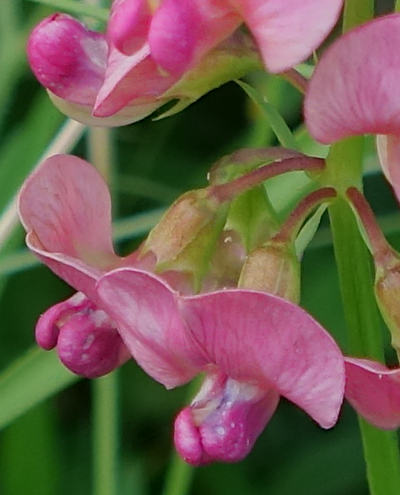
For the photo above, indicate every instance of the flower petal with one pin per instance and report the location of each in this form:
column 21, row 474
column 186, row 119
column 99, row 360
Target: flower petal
column 223, row 421
column 354, row 87
column 288, row 32
column 259, row 338
column 146, row 313
column 129, row 24
column 65, row 208
column 374, row 392
column 131, row 79
column 182, row 31
column 389, row 156
column 68, row 59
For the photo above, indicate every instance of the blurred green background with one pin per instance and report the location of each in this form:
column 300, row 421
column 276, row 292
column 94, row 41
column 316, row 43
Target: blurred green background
column 49, row 450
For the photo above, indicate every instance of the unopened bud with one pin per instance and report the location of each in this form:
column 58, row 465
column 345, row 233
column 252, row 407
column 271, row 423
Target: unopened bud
column 273, row 268
column 387, row 292
column 185, row 238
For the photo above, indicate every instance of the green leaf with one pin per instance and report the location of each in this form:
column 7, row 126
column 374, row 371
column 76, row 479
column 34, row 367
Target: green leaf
column 272, row 116
column 28, row 381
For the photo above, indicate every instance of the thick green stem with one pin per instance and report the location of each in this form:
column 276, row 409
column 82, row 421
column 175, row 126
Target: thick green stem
column 364, row 329
column 397, row 6
column 381, row 450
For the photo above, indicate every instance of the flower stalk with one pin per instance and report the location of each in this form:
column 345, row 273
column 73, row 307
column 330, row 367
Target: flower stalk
column 293, row 223
column 225, row 192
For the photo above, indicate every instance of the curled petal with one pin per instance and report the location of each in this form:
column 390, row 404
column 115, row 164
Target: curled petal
column 182, row 31
column 223, row 421
column 257, row 337
column 129, row 24
column 354, row 87
column 146, row 313
column 68, row 59
column 47, row 329
column 389, row 157
column 374, row 392
column 86, row 339
column 288, row 32
column 124, row 82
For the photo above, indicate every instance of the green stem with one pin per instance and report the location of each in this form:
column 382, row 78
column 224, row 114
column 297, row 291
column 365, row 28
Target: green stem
column 381, row 450
column 361, row 314
column 397, row 6
column 105, row 434
column 365, row 339
column 77, row 8
column 179, row 477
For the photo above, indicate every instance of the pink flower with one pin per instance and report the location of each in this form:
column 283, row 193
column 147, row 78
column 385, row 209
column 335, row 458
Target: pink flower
column 89, row 79
column 354, row 90
column 180, row 32
column 254, row 347
column 155, row 52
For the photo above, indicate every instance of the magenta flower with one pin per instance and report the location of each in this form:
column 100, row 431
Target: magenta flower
column 89, row 79
column 155, row 52
column 354, row 91
column 253, row 346
column 180, row 32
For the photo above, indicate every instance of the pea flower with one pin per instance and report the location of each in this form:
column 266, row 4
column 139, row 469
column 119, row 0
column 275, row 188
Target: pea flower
column 66, row 210
column 253, row 346
column 90, row 80
column 156, row 52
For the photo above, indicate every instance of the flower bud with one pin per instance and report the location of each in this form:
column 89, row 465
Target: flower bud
column 273, row 268
column 185, row 238
column 387, row 292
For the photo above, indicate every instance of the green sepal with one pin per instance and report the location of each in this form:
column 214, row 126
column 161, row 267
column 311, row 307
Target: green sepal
column 232, row 59
column 251, row 215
